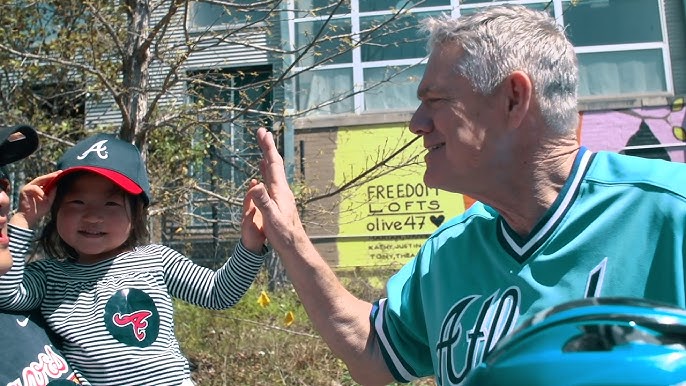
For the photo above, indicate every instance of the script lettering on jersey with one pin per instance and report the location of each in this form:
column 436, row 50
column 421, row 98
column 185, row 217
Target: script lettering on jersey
column 99, row 148
column 138, row 320
column 49, row 366
column 496, row 316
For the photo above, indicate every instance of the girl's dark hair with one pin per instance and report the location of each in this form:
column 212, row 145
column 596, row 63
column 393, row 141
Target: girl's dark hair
column 53, row 245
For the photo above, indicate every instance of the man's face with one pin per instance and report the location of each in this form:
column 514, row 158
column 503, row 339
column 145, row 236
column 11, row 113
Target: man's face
column 456, row 123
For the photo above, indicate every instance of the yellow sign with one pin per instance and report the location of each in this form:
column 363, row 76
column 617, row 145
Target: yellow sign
column 386, row 216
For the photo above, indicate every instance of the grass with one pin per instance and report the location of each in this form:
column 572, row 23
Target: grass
column 254, row 345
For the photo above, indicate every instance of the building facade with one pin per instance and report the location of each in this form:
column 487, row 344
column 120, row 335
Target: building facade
column 349, row 71
column 632, row 56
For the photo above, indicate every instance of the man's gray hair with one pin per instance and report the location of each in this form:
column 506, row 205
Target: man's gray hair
column 507, row 38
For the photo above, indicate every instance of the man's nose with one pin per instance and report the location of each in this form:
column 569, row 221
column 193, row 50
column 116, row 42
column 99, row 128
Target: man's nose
column 421, row 122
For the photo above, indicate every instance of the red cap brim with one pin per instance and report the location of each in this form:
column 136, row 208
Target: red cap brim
column 117, row 178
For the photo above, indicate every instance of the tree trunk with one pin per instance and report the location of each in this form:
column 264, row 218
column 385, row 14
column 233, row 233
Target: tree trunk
column 135, row 68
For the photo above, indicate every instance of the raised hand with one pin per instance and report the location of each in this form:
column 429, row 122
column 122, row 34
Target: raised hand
column 274, row 198
column 252, row 232
column 34, row 203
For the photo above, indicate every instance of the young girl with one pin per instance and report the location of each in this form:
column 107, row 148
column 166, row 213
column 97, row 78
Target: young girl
column 106, row 296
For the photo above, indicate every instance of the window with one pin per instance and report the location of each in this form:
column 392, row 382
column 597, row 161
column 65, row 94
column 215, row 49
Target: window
column 307, row 8
column 246, row 93
column 359, row 55
column 621, row 45
column 367, row 55
column 209, row 14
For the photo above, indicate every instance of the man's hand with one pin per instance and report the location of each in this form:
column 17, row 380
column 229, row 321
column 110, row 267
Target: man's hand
column 274, row 198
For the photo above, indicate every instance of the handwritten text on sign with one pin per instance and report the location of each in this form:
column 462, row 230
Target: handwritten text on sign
column 402, row 207
column 385, row 220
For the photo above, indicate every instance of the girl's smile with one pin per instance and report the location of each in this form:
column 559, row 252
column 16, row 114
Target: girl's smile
column 94, row 218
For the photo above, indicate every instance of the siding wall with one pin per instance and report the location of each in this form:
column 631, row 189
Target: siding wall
column 237, row 50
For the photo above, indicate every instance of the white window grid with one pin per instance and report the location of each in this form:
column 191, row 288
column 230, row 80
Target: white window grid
column 455, row 8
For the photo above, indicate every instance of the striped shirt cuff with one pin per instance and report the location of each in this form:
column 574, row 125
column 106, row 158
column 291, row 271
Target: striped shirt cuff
column 245, row 256
column 21, row 240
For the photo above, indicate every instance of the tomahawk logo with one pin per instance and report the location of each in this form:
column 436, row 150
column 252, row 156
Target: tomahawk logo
column 99, row 148
column 138, row 320
column 132, row 317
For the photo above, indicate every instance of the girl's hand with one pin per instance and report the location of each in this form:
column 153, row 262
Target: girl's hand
column 252, row 233
column 34, row 204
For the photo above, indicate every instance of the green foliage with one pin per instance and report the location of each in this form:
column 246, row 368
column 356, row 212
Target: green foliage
column 252, row 345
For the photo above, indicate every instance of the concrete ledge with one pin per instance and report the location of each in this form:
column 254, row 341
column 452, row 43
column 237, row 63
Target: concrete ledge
column 364, row 119
column 379, row 118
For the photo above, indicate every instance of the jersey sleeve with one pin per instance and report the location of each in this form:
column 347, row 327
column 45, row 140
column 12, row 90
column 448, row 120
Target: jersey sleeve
column 399, row 323
column 204, row 287
column 23, row 287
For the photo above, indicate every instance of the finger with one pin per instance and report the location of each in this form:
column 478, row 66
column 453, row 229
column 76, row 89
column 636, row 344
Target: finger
column 272, row 166
column 263, row 168
column 268, row 146
column 247, row 200
column 252, row 218
column 248, row 214
column 260, row 198
column 51, row 196
column 32, row 190
column 44, row 179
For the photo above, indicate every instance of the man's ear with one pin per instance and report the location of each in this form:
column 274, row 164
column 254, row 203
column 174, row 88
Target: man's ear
column 518, row 91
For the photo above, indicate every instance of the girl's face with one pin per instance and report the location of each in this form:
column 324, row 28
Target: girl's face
column 94, row 218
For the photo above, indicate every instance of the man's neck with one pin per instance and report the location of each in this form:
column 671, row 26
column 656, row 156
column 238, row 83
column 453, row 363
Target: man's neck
column 532, row 192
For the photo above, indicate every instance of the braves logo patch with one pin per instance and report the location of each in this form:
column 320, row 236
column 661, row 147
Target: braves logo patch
column 132, row 317
column 137, row 320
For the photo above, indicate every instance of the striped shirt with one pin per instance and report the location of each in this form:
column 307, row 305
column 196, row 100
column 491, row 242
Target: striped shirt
column 115, row 317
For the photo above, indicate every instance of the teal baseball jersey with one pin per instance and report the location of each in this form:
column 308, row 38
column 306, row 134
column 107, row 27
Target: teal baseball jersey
column 616, row 229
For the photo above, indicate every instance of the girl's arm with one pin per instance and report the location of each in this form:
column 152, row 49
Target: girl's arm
column 21, row 288
column 225, row 287
column 204, row 287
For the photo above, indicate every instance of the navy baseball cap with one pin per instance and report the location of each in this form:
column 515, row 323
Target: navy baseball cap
column 106, row 155
column 17, row 142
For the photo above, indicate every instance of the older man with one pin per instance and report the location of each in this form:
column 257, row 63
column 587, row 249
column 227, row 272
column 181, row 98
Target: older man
column 553, row 221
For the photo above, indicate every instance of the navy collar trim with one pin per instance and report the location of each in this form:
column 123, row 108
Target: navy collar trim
column 521, row 248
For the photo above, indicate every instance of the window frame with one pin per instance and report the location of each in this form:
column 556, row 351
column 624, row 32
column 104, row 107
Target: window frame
column 193, row 28
column 455, row 9
column 238, row 137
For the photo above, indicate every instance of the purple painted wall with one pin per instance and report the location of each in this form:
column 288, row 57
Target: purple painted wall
column 650, row 128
